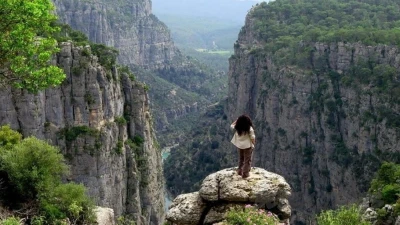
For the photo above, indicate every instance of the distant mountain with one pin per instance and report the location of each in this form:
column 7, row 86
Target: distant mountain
column 227, row 10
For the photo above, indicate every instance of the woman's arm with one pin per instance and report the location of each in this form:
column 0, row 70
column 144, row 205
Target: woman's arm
column 252, row 136
column 233, row 125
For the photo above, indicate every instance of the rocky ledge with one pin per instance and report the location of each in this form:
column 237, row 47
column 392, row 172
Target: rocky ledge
column 225, row 189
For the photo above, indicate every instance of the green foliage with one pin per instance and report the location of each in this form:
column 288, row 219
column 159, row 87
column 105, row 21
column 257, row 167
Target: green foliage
column 386, row 183
column 89, row 98
column 286, row 22
column 10, row 221
column 122, row 220
column 349, row 215
column 128, row 72
column 34, row 166
column 67, row 33
column 199, row 153
column 8, row 137
column 250, row 216
column 138, row 140
column 35, row 169
column 27, row 45
column 120, row 120
column 72, row 133
column 107, row 55
column 119, row 147
column 68, row 200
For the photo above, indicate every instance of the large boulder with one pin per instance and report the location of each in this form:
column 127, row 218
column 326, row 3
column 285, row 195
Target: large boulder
column 224, row 189
column 186, row 209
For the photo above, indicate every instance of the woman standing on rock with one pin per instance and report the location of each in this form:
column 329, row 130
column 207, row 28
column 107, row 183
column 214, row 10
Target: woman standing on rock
column 244, row 139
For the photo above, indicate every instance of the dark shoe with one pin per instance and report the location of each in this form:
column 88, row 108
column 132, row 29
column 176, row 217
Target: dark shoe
column 244, row 176
column 239, row 172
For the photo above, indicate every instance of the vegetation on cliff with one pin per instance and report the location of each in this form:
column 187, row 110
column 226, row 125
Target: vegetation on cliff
column 286, row 22
column 31, row 172
column 27, row 45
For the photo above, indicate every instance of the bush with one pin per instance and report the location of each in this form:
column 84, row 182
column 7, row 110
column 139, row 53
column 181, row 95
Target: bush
column 68, row 200
column 250, row 216
column 8, row 137
column 349, row 215
column 120, row 120
column 386, row 183
column 10, row 221
column 125, row 221
column 33, row 166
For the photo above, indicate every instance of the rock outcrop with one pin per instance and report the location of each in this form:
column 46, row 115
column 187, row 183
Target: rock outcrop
column 100, row 120
column 225, row 189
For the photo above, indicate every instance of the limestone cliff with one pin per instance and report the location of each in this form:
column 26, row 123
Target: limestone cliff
column 144, row 42
column 324, row 125
column 100, row 120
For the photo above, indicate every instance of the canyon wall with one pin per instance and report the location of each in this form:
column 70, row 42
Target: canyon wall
column 101, row 121
column 325, row 125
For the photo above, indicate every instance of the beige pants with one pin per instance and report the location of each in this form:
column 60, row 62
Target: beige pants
column 245, row 156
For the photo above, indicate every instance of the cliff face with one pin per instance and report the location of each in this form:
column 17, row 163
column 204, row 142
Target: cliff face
column 325, row 125
column 128, row 26
column 144, row 42
column 100, row 119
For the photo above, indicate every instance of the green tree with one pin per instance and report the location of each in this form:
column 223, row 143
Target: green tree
column 34, row 166
column 8, row 137
column 27, row 45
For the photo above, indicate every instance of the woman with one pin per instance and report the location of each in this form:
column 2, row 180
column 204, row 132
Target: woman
column 244, row 139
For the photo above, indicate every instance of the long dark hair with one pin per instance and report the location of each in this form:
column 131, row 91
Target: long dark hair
column 243, row 124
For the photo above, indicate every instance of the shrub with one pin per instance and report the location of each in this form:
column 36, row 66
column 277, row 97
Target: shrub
column 349, row 215
column 138, row 140
column 10, row 221
column 9, row 137
column 125, row 221
column 68, row 200
column 250, row 216
column 385, row 184
column 33, row 166
column 72, row 133
column 120, row 120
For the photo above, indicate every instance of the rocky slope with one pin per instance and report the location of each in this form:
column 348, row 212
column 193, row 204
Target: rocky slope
column 144, row 42
column 100, row 120
column 225, row 189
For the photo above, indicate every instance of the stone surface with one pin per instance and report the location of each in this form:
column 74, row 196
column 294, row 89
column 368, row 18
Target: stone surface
column 186, row 209
column 101, row 159
column 225, row 189
column 104, row 216
column 217, row 213
column 370, row 215
column 261, row 187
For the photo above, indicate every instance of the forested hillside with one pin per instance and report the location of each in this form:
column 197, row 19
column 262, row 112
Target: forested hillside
column 322, row 86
